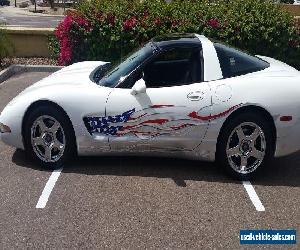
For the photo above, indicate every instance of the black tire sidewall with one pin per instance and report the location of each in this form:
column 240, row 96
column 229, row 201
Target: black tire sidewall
column 61, row 117
column 221, row 155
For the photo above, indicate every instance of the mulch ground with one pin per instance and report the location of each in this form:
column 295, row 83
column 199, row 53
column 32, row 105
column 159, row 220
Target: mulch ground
column 6, row 62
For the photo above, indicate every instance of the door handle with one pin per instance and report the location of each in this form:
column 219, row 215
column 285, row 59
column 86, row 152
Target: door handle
column 196, row 96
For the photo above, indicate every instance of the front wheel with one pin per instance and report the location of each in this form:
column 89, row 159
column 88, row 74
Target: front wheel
column 245, row 145
column 49, row 137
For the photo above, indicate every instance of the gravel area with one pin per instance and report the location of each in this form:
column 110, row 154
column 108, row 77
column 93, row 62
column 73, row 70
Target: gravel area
column 27, row 61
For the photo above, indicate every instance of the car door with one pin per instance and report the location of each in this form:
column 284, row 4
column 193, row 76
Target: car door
column 170, row 118
column 171, row 114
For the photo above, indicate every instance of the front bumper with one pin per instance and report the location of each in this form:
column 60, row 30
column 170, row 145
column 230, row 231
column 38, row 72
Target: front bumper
column 4, row 128
column 11, row 131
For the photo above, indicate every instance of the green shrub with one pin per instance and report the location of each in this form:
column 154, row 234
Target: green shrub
column 6, row 47
column 53, row 47
column 109, row 29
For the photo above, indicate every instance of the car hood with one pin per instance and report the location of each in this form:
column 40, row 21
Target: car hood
column 75, row 74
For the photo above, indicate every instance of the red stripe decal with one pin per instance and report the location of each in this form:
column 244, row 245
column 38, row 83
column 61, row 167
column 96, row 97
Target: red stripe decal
column 157, row 121
column 161, row 106
column 132, row 119
column 286, row 118
column 181, row 126
column 212, row 117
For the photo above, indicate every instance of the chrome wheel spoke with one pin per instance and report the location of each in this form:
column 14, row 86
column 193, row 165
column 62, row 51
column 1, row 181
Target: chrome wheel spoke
column 240, row 134
column 259, row 155
column 42, row 125
column 254, row 135
column 57, row 144
column 55, row 127
column 234, row 151
column 48, row 153
column 38, row 141
column 244, row 161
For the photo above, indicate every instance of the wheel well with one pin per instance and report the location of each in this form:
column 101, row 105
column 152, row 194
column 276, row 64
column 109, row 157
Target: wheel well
column 253, row 109
column 43, row 103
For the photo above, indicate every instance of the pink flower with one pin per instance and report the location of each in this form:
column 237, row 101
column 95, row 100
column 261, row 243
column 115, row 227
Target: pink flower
column 293, row 43
column 68, row 33
column 65, row 56
column 146, row 13
column 129, row 23
column 111, row 19
column 174, row 23
column 213, row 22
column 157, row 21
column 83, row 23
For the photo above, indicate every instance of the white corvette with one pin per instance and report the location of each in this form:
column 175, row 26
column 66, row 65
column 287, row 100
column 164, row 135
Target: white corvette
column 179, row 95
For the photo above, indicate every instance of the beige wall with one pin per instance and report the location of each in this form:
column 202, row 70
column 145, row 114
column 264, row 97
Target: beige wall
column 297, row 22
column 30, row 42
column 293, row 9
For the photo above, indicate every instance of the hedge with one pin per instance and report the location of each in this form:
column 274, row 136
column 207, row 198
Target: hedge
column 109, row 29
column 6, row 47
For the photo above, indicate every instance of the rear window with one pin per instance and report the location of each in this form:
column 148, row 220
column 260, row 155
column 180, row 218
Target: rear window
column 235, row 63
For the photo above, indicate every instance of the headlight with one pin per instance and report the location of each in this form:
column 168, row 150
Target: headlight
column 4, row 128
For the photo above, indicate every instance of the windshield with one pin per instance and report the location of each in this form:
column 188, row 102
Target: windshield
column 120, row 71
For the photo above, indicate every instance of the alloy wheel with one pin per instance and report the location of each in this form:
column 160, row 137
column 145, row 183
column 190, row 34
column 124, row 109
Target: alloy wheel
column 246, row 147
column 48, row 138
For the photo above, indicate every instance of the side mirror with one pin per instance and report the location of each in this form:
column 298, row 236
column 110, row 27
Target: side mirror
column 138, row 87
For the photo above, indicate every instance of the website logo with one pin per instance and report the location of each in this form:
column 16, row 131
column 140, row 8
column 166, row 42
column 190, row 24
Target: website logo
column 268, row 236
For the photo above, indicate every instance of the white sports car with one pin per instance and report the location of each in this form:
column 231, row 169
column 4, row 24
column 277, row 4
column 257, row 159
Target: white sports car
column 179, row 95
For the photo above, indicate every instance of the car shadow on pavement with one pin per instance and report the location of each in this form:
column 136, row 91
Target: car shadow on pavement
column 281, row 172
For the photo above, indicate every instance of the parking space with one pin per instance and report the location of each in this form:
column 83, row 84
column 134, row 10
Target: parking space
column 131, row 202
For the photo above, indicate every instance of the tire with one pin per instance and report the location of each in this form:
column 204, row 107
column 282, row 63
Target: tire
column 243, row 155
column 49, row 137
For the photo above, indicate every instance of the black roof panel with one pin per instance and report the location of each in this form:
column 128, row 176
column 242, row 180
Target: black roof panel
column 176, row 40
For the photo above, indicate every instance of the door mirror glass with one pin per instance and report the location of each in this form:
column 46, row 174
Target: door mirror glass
column 138, row 87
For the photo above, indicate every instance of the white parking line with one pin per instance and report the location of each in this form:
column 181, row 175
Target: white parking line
column 48, row 188
column 253, row 196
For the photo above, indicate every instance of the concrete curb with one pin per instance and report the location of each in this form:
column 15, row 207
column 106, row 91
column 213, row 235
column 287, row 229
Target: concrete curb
column 26, row 12
column 40, row 14
column 14, row 69
column 27, row 30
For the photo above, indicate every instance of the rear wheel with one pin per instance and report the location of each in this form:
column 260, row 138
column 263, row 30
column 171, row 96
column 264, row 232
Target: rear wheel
column 245, row 145
column 49, row 137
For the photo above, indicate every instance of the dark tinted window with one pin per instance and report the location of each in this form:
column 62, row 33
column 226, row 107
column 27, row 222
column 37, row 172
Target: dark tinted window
column 234, row 62
column 122, row 70
column 178, row 66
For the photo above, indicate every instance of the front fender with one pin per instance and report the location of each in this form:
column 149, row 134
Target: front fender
column 76, row 100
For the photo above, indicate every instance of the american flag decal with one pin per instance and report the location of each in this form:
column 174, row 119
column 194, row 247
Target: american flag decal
column 105, row 125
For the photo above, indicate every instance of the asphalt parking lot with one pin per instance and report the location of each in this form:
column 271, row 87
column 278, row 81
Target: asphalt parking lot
column 135, row 202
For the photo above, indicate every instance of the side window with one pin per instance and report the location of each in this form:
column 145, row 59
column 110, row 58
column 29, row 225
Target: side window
column 177, row 66
column 234, row 62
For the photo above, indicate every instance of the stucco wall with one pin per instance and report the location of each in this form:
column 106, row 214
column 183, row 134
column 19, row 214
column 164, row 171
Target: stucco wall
column 30, row 42
column 292, row 8
column 297, row 22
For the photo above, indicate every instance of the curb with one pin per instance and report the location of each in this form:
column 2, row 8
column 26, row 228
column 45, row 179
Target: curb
column 18, row 68
column 26, row 12
column 40, row 14
column 27, row 30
